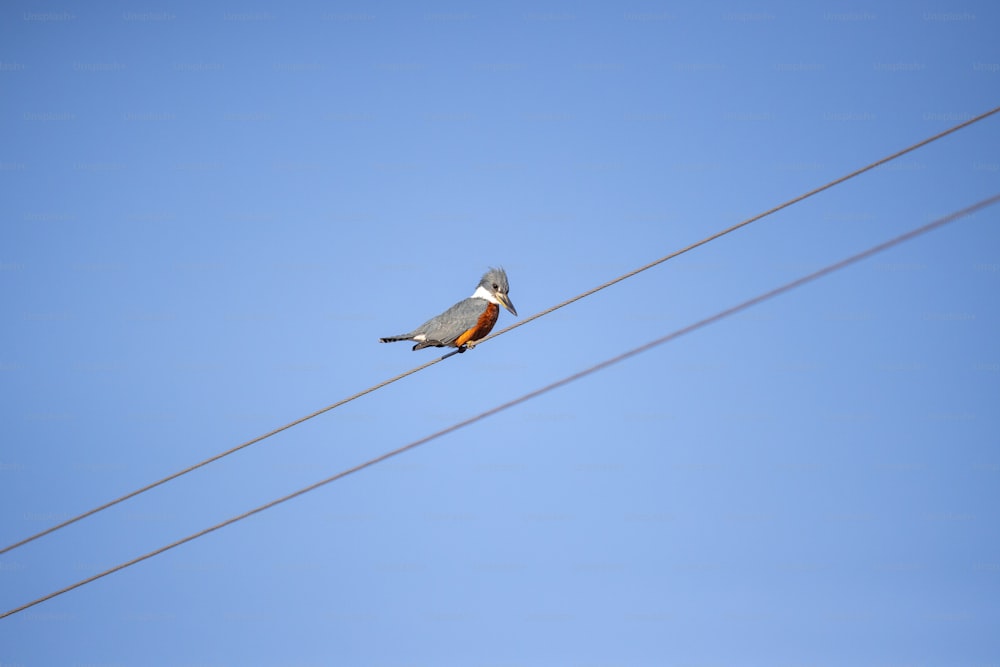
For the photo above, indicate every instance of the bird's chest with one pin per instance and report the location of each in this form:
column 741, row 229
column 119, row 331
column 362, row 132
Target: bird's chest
column 486, row 321
column 484, row 324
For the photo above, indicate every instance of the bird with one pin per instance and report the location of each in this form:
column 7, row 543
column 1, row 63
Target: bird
column 468, row 321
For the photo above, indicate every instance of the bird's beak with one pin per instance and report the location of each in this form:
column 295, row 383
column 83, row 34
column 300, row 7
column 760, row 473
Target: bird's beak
column 505, row 300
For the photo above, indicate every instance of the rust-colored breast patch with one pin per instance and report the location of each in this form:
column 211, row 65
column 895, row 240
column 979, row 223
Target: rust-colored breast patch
column 483, row 326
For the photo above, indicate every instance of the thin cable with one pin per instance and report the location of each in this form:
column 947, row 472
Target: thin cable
column 191, row 468
column 538, row 392
column 517, row 324
column 748, row 221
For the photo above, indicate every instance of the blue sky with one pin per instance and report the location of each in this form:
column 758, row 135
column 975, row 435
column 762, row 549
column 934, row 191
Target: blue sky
column 212, row 213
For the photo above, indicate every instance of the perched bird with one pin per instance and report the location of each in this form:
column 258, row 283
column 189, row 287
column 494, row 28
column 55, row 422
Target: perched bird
column 468, row 321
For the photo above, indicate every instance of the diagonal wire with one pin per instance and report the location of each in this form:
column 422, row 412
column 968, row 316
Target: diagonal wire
column 519, row 323
column 790, row 202
column 798, row 282
column 153, row 485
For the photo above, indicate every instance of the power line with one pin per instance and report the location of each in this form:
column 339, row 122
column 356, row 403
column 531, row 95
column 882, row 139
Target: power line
column 519, row 323
column 779, row 207
column 218, row 456
column 836, row 266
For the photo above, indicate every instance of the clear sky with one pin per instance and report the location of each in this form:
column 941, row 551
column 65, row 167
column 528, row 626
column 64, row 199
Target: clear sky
column 212, row 211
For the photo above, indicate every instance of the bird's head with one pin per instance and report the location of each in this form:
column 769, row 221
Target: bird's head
column 494, row 282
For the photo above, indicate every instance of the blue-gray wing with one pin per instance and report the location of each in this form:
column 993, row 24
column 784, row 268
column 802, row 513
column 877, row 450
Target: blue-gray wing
column 452, row 323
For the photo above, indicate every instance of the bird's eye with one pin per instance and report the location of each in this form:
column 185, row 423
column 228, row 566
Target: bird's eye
column 495, row 286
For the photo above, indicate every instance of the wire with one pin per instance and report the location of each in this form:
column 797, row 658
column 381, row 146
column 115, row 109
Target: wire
column 940, row 222
column 519, row 323
column 748, row 221
column 218, row 456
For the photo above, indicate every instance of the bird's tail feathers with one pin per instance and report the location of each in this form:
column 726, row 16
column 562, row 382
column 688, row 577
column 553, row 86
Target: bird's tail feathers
column 393, row 339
